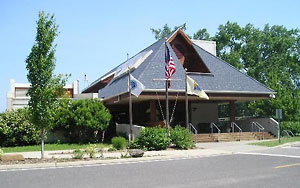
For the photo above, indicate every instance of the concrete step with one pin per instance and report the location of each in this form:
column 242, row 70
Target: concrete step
column 229, row 137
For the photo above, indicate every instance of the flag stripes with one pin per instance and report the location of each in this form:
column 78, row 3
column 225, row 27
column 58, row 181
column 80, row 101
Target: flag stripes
column 170, row 66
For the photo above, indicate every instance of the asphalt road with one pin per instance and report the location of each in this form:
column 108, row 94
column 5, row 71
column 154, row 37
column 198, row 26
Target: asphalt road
column 279, row 167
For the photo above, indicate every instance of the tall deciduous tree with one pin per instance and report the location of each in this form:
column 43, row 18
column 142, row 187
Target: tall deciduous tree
column 44, row 86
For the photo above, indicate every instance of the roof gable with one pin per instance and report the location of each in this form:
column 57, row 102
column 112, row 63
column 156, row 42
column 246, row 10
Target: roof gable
column 187, row 55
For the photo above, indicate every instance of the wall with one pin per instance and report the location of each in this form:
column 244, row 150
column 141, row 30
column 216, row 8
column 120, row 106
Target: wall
column 17, row 98
column 269, row 124
column 209, row 46
column 86, row 96
column 203, row 113
column 124, row 129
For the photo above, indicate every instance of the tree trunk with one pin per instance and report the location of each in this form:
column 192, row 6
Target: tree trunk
column 42, row 143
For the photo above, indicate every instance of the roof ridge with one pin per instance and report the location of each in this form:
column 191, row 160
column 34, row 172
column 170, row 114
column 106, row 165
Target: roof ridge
column 99, row 79
column 150, row 61
column 234, row 68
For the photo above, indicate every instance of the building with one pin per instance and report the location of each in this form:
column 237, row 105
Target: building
column 222, row 83
column 17, row 96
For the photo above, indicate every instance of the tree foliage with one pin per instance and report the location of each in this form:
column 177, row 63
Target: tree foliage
column 40, row 63
column 90, row 113
column 16, row 129
column 201, row 34
column 82, row 120
column 270, row 55
column 165, row 31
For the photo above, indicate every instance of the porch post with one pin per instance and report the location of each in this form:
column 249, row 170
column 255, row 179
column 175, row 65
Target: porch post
column 152, row 111
column 232, row 111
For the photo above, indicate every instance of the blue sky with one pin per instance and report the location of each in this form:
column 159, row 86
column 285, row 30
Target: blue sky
column 95, row 36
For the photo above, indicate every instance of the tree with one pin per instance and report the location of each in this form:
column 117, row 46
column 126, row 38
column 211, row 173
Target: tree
column 166, row 30
column 201, row 34
column 44, row 86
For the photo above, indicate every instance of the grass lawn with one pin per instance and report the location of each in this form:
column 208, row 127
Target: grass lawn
column 275, row 142
column 49, row 147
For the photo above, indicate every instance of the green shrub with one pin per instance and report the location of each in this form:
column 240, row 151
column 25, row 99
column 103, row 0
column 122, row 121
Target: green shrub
column 151, row 138
column 119, row 143
column 293, row 126
column 91, row 150
column 82, row 120
column 17, row 130
column 181, row 137
column 1, row 154
column 77, row 154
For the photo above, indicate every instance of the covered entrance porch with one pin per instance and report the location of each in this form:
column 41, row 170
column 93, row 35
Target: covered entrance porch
column 204, row 115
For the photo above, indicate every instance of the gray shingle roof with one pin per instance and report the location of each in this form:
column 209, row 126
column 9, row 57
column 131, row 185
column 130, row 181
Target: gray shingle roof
column 224, row 77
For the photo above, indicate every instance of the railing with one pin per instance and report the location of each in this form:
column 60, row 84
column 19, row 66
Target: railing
column 288, row 132
column 258, row 127
column 193, row 128
column 291, row 133
column 233, row 124
column 212, row 126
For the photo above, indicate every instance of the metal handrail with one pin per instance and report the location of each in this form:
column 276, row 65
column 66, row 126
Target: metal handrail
column 212, row 125
column 291, row 132
column 233, row 124
column 287, row 133
column 192, row 126
column 260, row 128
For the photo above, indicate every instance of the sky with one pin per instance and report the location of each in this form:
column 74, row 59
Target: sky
column 95, row 36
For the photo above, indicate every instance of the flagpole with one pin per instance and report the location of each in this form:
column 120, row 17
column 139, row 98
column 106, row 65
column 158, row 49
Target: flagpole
column 167, row 101
column 186, row 102
column 130, row 106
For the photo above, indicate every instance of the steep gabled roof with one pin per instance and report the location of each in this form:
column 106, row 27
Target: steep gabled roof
column 152, row 68
column 223, row 78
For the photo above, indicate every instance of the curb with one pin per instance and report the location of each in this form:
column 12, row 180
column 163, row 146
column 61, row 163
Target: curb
column 100, row 162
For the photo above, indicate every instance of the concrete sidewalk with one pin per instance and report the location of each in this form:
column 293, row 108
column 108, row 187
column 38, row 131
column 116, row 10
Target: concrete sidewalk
column 202, row 150
column 233, row 147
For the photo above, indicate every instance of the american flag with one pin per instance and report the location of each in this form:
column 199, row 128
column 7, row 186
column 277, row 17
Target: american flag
column 170, row 66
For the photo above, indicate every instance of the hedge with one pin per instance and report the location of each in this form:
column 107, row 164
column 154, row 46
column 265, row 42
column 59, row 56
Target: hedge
column 16, row 129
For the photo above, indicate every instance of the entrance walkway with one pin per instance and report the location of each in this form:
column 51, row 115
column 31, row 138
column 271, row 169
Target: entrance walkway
column 233, row 147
